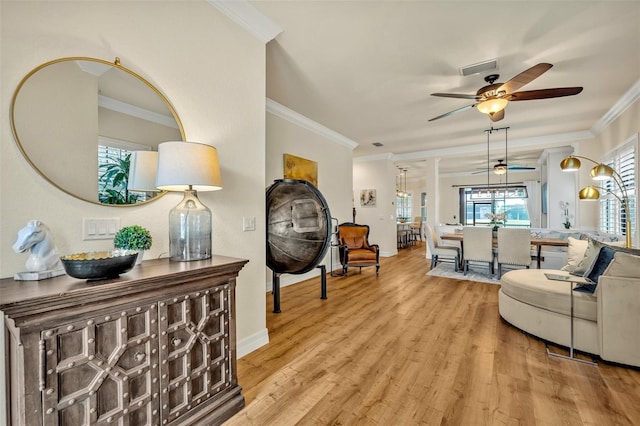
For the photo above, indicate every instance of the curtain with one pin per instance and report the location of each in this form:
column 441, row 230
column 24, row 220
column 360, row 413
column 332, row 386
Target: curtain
column 533, row 202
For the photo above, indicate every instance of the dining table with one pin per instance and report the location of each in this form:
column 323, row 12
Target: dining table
column 536, row 242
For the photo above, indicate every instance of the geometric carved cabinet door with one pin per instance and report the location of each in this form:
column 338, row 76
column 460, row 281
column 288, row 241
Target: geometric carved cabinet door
column 194, row 350
column 102, row 370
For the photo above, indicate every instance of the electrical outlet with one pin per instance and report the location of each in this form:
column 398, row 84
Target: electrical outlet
column 99, row 229
column 248, row 223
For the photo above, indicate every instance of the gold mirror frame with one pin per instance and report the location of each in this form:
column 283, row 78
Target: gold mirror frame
column 37, row 165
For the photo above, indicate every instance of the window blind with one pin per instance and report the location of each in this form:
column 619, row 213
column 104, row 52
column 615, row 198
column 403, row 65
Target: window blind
column 612, row 218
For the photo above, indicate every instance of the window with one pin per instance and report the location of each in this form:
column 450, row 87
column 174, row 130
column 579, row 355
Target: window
column 113, row 172
column 478, row 202
column 612, row 217
column 404, row 207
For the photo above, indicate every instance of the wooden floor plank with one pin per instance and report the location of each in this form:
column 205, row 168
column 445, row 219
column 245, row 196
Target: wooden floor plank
column 405, row 348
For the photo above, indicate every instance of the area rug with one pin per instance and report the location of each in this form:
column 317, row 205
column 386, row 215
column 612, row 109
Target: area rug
column 446, row 270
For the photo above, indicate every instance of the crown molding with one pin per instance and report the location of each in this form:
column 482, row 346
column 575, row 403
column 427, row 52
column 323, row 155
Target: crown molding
column 629, row 98
column 248, row 17
column 557, row 140
column 376, row 157
column 298, row 119
column 135, row 111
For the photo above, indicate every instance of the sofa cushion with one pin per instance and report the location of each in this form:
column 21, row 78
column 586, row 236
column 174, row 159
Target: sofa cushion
column 354, row 241
column 604, row 258
column 624, row 265
column 593, row 249
column 532, row 287
column 575, row 253
column 362, row 255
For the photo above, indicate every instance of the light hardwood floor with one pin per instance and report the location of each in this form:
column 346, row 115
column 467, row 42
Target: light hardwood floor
column 406, row 349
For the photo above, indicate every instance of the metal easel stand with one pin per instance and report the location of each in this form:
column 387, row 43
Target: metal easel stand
column 335, row 243
column 571, row 356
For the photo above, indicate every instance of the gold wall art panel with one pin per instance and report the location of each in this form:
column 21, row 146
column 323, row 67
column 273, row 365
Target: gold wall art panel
column 300, row 168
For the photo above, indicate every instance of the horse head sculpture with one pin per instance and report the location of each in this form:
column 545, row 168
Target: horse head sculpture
column 36, row 238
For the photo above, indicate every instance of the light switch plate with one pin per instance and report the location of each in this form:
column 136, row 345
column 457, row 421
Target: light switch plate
column 99, row 228
column 248, row 223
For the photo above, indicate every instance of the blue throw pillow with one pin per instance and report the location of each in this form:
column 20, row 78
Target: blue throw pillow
column 605, row 256
column 585, row 288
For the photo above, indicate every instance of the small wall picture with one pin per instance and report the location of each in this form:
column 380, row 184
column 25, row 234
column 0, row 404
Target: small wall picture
column 368, row 197
column 300, row 168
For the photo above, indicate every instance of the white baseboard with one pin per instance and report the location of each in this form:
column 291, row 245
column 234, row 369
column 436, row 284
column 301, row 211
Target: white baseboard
column 253, row 342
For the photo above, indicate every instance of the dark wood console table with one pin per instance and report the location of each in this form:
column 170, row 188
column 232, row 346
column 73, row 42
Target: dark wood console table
column 156, row 346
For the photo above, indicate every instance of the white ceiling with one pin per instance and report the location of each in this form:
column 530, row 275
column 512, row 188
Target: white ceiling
column 366, row 69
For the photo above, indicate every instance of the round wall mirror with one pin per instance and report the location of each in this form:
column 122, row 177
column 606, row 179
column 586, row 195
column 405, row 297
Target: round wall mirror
column 79, row 121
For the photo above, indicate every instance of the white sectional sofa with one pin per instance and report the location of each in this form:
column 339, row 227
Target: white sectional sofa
column 606, row 323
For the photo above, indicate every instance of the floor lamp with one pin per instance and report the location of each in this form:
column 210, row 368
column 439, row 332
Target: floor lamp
column 601, row 172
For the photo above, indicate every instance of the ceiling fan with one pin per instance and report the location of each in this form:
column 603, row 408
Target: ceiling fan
column 493, row 98
column 501, row 168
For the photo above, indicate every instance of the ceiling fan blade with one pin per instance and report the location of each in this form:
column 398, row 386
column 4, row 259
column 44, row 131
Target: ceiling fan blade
column 544, row 93
column 456, row 95
column 496, row 116
column 521, row 168
column 524, row 77
column 453, row 112
column 484, row 171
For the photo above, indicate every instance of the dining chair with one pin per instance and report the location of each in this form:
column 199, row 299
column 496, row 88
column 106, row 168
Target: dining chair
column 416, row 228
column 478, row 246
column 514, row 248
column 441, row 253
column 402, row 235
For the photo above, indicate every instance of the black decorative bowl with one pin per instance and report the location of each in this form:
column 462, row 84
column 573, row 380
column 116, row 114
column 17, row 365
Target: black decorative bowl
column 99, row 265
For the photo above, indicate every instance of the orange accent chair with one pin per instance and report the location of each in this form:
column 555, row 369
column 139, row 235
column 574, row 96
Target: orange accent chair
column 354, row 247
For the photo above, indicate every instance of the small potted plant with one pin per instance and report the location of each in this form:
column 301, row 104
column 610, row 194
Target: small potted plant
column 133, row 237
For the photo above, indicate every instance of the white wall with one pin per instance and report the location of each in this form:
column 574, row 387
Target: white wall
column 211, row 70
column 561, row 187
column 378, row 174
column 335, row 176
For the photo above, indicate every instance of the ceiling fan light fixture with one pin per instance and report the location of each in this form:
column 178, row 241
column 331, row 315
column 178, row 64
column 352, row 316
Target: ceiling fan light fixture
column 500, row 169
column 492, row 105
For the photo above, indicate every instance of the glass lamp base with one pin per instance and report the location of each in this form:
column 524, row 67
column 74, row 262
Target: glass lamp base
column 190, row 229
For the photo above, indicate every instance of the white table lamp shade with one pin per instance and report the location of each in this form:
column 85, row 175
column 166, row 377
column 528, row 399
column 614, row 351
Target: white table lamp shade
column 142, row 171
column 189, row 167
column 188, row 164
